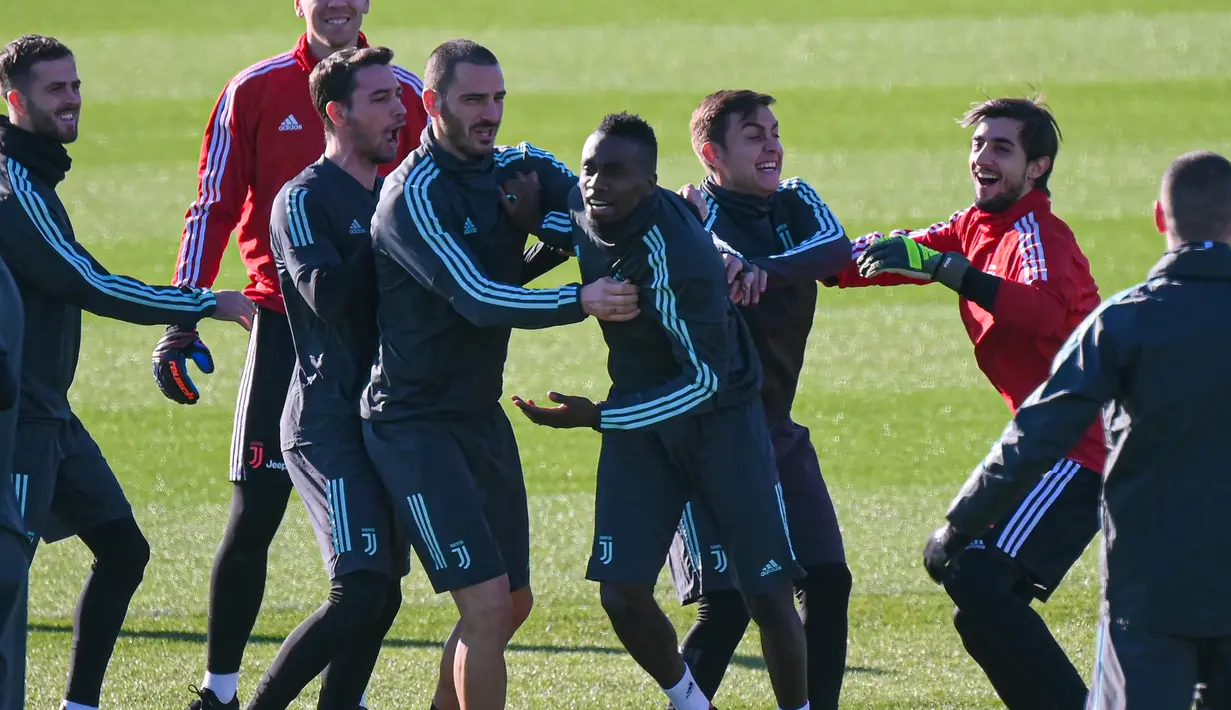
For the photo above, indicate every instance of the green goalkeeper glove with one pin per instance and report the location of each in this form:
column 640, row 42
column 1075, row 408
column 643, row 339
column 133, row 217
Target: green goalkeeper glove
column 906, row 257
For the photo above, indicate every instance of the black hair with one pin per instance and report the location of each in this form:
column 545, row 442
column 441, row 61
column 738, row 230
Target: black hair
column 1040, row 133
column 333, row 79
column 634, row 128
column 443, row 61
column 710, row 119
column 1196, row 197
column 19, row 57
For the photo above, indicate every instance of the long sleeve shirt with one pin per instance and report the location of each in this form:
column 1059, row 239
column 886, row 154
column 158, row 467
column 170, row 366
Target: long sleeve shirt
column 448, row 264
column 689, row 351
column 12, row 327
column 58, row 278
column 1151, row 360
column 319, row 233
column 1043, row 290
column 263, row 130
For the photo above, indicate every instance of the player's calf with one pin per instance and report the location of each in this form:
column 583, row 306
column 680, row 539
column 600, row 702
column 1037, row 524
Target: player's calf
column 782, row 642
column 824, row 597
column 479, row 672
column 446, row 697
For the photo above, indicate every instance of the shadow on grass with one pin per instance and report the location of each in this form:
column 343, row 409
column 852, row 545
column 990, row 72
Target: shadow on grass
column 752, row 662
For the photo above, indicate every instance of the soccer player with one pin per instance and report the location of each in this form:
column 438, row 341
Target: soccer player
column 264, row 129
column 683, row 419
column 1023, row 285
column 448, row 241
column 66, row 487
column 1152, row 360
column 14, row 552
column 784, row 229
column 319, row 236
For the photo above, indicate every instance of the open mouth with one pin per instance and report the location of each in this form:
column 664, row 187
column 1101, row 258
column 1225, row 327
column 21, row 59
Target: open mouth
column 599, row 207
column 336, row 21
column 485, row 134
column 768, row 167
column 986, row 179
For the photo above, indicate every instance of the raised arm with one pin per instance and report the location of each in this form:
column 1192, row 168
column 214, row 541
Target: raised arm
column 941, row 237
column 820, row 249
column 555, row 181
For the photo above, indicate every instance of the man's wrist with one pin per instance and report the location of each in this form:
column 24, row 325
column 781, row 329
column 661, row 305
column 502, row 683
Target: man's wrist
column 952, row 268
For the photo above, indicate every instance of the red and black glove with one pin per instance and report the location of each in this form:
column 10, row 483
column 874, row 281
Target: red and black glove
column 170, row 360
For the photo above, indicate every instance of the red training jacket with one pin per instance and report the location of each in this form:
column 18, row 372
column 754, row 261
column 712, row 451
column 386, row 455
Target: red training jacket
column 264, row 131
column 1046, row 290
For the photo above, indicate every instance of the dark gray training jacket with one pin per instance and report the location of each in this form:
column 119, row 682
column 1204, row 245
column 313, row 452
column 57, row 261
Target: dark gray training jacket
column 12, row 325
column 57, row 277
column 318, row 232
column 1154, row 360
column 447, row 261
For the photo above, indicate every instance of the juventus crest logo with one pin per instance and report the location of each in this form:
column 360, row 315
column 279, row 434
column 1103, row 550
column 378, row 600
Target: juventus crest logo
column 463, row 555
column 369, row 541
column 720, row 558
column 605, row 549
column 256, row 454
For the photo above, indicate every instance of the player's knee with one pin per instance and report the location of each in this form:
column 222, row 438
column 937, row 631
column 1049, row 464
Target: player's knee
column 626, row 602
column 725, row 613
column 523, row 604
column 825, row 591
column 486, row 610
column 773, row 607
column 120, row 548
column 359, row 597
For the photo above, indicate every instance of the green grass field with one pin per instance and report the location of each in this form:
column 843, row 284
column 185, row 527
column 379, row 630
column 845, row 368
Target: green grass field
column 868, row 89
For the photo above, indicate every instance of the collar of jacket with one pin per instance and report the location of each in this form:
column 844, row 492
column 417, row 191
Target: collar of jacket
column 1195, row 260
column 474, row 174
column 1034, row 201
column 620, row 235
column 306, row 59
column 42, row 155
column 741, row 206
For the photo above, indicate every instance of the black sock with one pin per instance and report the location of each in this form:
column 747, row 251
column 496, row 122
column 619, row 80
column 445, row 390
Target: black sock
column 354, row 603
column 1007, row 638
column 348, row 673
column 237, row 583
column 709, row 645
column 824, row 596
column 120, row 555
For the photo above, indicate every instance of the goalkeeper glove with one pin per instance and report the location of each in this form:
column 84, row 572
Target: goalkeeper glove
column 170, row 360
column 942, row 547
column 904, row 256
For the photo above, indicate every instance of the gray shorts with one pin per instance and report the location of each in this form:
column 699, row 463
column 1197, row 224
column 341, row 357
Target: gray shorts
column 459, row 496
column 64, row 485
column 348, row 508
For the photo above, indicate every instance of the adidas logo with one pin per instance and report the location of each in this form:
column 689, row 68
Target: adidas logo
column 290, row 123
column 469, row 228
column 356, row 228
column 770, row 567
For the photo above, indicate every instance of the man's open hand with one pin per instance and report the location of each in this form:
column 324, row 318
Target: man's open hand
column 235, row 307
column 573, row 412
column 520, row 197
column 608, row 299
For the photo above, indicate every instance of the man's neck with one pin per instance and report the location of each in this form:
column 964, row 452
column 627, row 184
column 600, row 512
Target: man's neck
column 347, row 158
column 727, row 184
column 320, row 49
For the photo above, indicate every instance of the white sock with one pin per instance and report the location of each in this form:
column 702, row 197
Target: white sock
column 806, row 706
column 66, row 705
column 686, row 695
column 224, row 685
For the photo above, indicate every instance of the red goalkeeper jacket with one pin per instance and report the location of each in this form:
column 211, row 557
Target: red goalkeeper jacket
column 1045, row 291
column 263, row 131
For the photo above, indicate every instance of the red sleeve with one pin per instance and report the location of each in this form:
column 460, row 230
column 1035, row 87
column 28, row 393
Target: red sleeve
column 225, row 174
column 416, row 115
column 1038, row 294
column 942, row 236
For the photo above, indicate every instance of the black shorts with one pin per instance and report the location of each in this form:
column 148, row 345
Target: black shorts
column 724, row 462
column 459, row 496
column 1135, row 669
column 64, row 485
column 255, row 448
column 348, row 508
column 698, row 561
column 1052, row 527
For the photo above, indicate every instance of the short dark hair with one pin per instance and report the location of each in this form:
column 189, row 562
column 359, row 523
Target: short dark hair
column 710, row 119
column 1196, row 197
column 442, row 62
column 333, row 79
column 634, row 128
column 19, row 57
column 1040, row 134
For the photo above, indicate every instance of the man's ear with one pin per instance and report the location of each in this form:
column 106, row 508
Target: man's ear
column 15, row 101
column 1037, row 167
column 336, row 112
column 1160, row 219
column 432, row 101
column 709, row 154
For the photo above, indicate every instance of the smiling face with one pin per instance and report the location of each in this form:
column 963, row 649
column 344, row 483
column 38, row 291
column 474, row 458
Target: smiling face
column 750, row 161
column 616, row 176
column 50, row 99
column 999, row 168
column 332, row 24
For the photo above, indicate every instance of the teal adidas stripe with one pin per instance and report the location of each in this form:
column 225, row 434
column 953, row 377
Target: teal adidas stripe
column 463, row 271
column 297, row 217
column 693, row 543
column 510, row 154
column 120, row 287
column 706, row 383
column 786, row 527
column 830, row 229
column 418, row 509
column 558, row 222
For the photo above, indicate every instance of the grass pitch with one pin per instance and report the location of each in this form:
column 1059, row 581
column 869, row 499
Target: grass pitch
column 868, row 92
